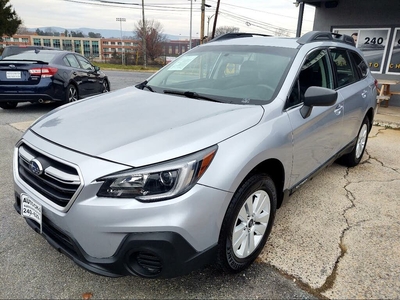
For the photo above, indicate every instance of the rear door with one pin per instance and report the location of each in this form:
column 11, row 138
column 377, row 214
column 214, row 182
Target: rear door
column 353, row 87
column 318, row 137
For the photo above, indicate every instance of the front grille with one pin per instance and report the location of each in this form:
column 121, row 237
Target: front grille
column 55, row 180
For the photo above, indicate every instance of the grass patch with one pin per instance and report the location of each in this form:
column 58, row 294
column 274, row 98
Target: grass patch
column 118, row 67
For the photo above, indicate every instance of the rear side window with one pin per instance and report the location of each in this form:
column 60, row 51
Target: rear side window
column 344, row 70
column 361, row 65
column 70, row 60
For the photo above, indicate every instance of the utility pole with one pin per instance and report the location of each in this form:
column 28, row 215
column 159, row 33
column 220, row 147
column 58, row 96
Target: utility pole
column 203, row 8
column 190, row 38
column 144, row 37
column 215, row 20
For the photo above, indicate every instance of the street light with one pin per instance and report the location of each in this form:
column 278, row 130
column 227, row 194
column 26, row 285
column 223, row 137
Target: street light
column 208, row 24
column 120, row 20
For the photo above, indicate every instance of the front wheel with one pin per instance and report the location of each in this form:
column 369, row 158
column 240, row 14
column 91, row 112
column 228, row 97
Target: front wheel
column 8, row 105
column 247, row 223
column 106, row 87
column 354, row 157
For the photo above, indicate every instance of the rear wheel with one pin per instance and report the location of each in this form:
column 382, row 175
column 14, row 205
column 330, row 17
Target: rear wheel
column 8, row 105
column 354, row 157
column 71, row 94
column 247, row 223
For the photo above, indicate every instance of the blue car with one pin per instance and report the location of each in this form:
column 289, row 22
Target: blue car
column 48, row 76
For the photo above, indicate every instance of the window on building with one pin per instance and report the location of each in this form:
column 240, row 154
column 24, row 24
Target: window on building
column 77, row 46
column 176, row 49
column 56, row 43
column 86, row 48
column 25, row 40
column 95, row 48
column 46, row 42
column 37, row 42
column 169, row 49
column 67, row 45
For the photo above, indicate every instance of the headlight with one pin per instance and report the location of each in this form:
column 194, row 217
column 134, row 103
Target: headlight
column 158, row 182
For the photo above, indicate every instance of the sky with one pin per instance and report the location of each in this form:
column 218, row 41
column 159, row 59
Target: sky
column 256, row 16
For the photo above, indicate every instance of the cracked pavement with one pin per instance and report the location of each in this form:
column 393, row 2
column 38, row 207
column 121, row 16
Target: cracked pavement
column 339, row 235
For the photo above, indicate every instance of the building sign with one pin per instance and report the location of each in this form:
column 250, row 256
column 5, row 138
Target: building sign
column 394, row 56
column 373, row 42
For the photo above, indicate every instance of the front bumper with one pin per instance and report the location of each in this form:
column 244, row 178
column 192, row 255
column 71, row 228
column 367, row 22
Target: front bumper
column 148, row 254
column 109, row 236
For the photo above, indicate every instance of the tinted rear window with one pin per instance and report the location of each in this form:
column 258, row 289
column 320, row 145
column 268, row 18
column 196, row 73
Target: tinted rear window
column 31, row 55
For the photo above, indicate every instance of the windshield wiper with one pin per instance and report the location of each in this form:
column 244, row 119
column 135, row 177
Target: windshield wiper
column 144, row 85
column 190, row 94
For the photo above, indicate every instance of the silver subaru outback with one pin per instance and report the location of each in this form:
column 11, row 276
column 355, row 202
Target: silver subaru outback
column 188, row 168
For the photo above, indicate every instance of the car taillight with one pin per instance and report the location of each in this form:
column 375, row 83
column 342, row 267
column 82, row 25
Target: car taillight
column 43, row 72
column 376, row 83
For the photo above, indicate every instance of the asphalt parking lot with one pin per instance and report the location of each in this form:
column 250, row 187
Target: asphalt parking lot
column 338, row 237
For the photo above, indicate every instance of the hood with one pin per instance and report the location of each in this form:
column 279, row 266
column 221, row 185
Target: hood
column 137, row 128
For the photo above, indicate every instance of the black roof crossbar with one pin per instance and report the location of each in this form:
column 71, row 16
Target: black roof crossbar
column 234, row 35
column 318, row 36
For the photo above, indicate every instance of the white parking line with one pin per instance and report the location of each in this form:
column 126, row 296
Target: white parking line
column 22, row 126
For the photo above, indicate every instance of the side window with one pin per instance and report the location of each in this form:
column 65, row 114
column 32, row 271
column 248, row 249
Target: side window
column 70, row 60
column 315, row 71
column 85, row 63
column 344, row 71
column 361, row 65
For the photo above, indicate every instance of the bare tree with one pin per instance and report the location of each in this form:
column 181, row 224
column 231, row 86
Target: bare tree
column 282, row 32
column 226, row 29
column 154, row 37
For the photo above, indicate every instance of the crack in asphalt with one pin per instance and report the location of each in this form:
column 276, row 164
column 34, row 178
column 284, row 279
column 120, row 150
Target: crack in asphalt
column 330, row 280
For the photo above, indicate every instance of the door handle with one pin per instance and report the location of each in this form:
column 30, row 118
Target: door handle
column 338, row 109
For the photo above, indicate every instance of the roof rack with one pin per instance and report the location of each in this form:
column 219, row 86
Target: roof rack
column 235, row 35
column 317, row 36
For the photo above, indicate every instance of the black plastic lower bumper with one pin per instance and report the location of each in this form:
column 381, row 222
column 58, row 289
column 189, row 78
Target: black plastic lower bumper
column 149, row 254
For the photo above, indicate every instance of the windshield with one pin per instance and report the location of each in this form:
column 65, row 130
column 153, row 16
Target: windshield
column 233, row 74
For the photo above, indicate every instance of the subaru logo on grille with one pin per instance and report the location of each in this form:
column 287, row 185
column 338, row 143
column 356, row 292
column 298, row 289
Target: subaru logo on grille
column 12, row 66
column 36, row 167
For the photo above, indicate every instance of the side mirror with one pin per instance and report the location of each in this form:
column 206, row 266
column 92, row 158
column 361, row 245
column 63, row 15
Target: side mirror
column 317, row 96
column 96, row 68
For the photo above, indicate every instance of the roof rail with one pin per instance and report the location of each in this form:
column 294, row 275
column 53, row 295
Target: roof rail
column 235, row 35
column 317, row 36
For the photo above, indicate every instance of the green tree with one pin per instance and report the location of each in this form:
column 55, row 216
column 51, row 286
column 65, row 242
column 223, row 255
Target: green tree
column 9, row 20
column 94, row 35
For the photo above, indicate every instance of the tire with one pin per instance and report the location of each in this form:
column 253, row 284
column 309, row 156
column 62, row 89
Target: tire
column 8, row 105
column 71, row 94
column 354, row 157
column 106, row 87
column 245, row 228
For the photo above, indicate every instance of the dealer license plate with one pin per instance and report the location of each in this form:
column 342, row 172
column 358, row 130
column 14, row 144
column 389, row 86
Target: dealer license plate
column 31, row 209
column 13, row 75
